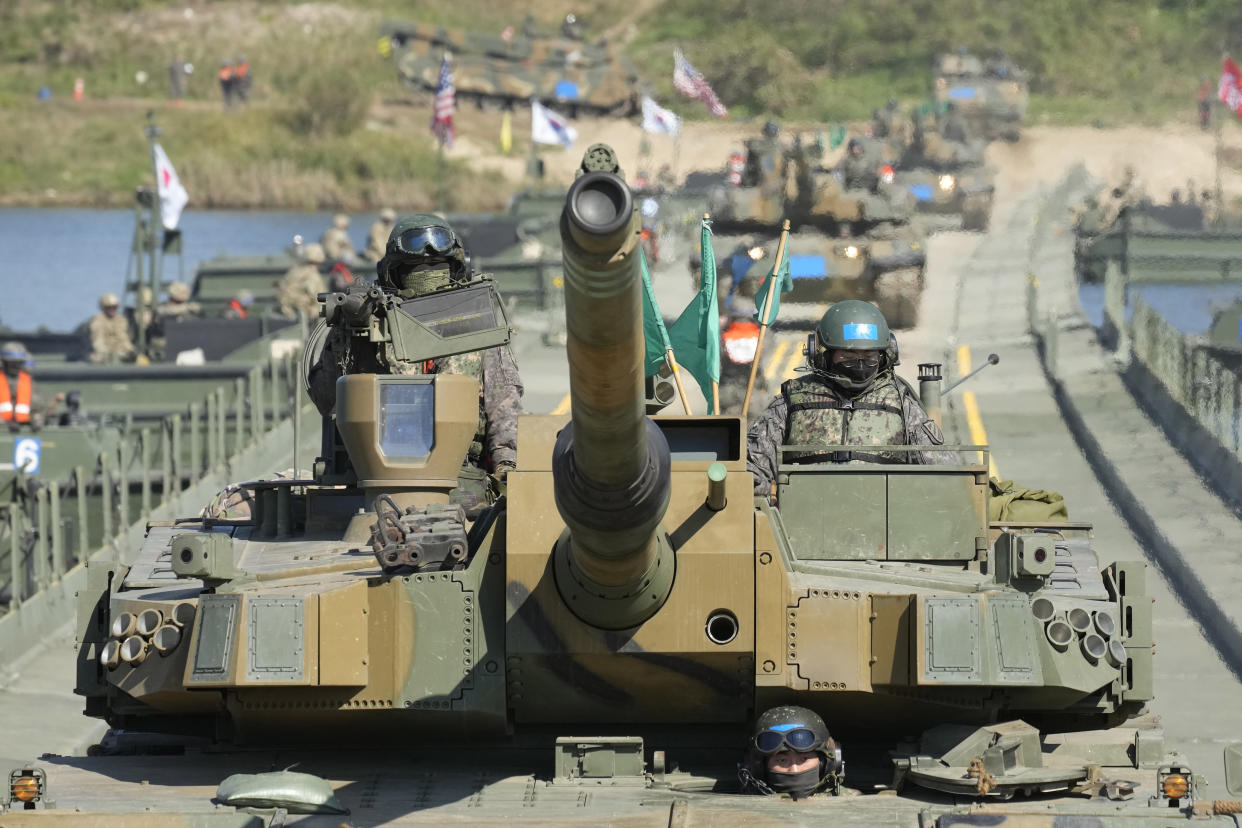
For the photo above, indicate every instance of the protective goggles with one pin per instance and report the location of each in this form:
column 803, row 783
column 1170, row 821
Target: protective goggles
column 416, row 241
column 794, row 737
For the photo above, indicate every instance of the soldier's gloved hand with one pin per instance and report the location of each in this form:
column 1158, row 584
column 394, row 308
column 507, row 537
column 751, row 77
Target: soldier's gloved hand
column 502, row 471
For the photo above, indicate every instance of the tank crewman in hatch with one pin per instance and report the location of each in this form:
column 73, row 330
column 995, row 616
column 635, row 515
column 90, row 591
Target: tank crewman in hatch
column 109, row 330
column 858, row 169
column 178, row 306
column 791, row 752
column 19, row 404
column 424, row 255
column 299, row 288
column 850, row 397
column 335, row 240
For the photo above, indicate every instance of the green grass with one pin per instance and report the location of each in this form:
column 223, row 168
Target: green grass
column 311, row 137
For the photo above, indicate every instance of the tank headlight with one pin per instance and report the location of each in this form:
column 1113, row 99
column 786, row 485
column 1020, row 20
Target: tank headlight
column 741, row 350
column 947, row 182
column 755, row 253
column 887, row 175
column 1175, row 786
column 25, row 789
column 850, row 252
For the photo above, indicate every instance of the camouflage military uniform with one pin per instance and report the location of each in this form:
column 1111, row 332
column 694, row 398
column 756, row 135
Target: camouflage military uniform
column 810, row 410
column 859, row 171
column 500, row 388
column 377, row 239
column 298, row 289
column 110, row 339
column 336, row 244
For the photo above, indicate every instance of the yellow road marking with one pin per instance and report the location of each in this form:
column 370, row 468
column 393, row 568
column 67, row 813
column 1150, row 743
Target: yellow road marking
column 777, row 353
column 562, row 407
column 795, row 359
column 963, row 360
column 978, row 435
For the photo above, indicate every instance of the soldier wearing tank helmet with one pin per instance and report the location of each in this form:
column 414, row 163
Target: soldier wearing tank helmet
column 424, row 255
column 791, row 752
column 850, row 397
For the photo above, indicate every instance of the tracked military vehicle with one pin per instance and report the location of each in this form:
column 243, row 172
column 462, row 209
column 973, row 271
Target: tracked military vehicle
column 991, row 94
column 591, row 646
column 946, row 177
column 846, row 243
column 574, row 76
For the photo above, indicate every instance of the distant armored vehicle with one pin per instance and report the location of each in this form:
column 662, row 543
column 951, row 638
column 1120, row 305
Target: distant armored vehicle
column 992, row 95
column 945, row 176
column 574, row 76
column 847, row 242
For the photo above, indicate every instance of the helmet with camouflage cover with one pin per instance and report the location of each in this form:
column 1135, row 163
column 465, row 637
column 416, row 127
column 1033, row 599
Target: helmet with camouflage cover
column 800, row 732
column 179, row 292
column 109, row 300
column 423, row 255
column 855, row 326
column 314, row 253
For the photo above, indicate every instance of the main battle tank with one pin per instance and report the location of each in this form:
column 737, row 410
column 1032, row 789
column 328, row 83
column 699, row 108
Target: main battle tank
column 846, row 243
column 945, row 176
column 596, row 640
column 575, row 76
column 992, row 95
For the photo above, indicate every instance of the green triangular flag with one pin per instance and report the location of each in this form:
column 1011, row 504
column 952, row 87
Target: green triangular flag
column 785, row 284
column 654, row 333
column 696, row 333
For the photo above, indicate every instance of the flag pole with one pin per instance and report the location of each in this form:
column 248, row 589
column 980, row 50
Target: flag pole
column 763, row 320
column 716, row 306
column 672, row 366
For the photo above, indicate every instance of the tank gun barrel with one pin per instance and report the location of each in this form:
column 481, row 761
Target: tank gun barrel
column 611, row 464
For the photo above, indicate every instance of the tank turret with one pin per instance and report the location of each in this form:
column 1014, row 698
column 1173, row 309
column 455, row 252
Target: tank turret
column 610, row 464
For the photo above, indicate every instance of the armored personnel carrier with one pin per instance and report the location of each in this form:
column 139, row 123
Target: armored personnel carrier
column 847, row 243
column 575, row 76
column 991, row 94
column 591, row 645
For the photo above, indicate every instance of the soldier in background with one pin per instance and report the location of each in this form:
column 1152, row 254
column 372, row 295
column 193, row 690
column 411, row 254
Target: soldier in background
column 953, row 127
column 19, row 404
column 335, row 240
column 109, row 332
column 858, row 169
column 242, row 79
column 176, row 81
column 225, row 76
column 850, row 397
column 377, row 239
column 298, row 290
column 424, row 255
column 178, row 305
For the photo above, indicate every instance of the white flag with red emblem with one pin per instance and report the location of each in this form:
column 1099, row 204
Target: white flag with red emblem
column 173, row 196
column 659, row 120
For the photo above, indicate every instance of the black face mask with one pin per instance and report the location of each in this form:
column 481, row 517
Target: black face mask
column 860, row 369
column 801, row 783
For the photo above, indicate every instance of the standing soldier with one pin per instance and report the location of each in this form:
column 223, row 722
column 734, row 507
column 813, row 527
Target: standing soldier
column 19, row 405
column 378, row 238
column 424, row 255
column 850, row 397
column 242, row 79
column 176, row 82
column 110, row 339
column 335, row 240
column 226, row 83
column 298, row 290
column 1205, row 102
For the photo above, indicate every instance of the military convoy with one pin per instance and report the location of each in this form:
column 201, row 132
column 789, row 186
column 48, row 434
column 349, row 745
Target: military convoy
column 846, row 243
column 598, row 636
column 946, row 177
column 575, row 76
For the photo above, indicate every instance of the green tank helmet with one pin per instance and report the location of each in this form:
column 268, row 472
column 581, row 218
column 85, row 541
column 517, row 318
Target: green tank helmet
column 423, row 255
column 853, row 325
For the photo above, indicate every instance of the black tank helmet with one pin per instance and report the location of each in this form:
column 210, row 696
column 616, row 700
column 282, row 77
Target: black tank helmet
column 789, row 727
column 423, row 255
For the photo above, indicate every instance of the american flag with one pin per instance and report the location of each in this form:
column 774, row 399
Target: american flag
column 445, row 105
column 690, row 82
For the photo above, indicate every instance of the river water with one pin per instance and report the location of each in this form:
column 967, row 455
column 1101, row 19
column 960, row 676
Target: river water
column 54, row 263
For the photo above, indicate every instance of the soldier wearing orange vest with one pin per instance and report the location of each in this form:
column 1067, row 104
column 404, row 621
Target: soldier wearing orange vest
column 18, row 404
